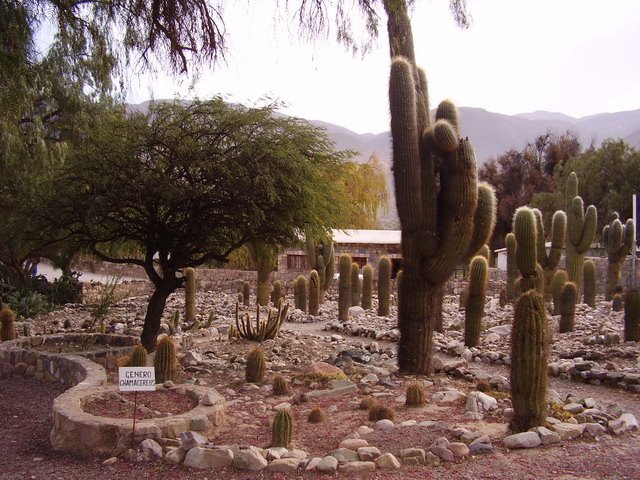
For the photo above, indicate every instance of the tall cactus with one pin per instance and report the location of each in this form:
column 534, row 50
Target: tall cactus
column 190, row 295
column 300, row 293
column 165, row 360
column 314, row 293
column 7, row 325
column 589, row 281
column 246, row 293
column 478, row 278
column 557, row 283
column 549, row 262
column 321, row 258
column 384, row 286
column 529, row 343
column 618, row 241
column 581, row 227
column 276, row 292
column 344, row 287
column 568, row 307
column 512, row 268
column 355, row 284
column 632, row 316
column 367, row 286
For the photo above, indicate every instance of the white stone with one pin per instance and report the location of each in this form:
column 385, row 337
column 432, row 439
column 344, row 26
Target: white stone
column 250, row 459
column 522, row 440
column 353, row 443
column 547, row 436
column 387, row 461
column 357, row 313
column 568, row 431
column 200, row 457
column 150, row 449
column 357, row 466
column 274, row 453
column 327, row 464
column 283, row 465
column 175, row 455
column 190, row 439
column 364, row 430
column 368, row 454
column 383, row 424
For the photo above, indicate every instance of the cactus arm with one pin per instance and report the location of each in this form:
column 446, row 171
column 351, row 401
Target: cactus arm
column 484, row 219
column 524, row 228
column 575, row 220
column 558, row 231
column 589, row 229
column 541, row 247
column 310, row 247
column 629, row 237
column 571, row 189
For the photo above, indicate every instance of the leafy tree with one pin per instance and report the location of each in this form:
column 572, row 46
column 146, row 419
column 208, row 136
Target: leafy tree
column 188, row 184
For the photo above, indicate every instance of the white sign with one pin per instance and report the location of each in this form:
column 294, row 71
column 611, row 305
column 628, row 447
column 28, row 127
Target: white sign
column 136, row 379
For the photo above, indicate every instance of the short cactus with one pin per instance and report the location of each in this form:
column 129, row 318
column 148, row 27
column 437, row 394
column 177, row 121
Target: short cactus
column 366, row 402
column 617, row 303
column 7, row 325
column 344, row 287
column 255, row 367
column 381, row 412
column 367, row 286
column 589, row 283
column 300, row 293
column 276, row 292
column 280, row 385
column 474, row 308
column 415, row 395
column 314, row 293
column 282, row 429
column 355, row 284
column 632, row 316
column 384, row 286
column 165, row 360
column 618, row 241
column 316, row 415
column 557, row 283
column 138, row 357
column 190, row 295
column 246, row 293
column 568, row 307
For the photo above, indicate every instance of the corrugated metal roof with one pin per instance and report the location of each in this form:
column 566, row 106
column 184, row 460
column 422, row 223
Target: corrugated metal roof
column 391, row 237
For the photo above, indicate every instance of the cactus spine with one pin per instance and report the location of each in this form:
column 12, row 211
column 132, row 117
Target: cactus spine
column 367, row 286
column 632, row 316
column 7, row 325
column 618, row 241
column 190, row 295
column 549, row 262
column 344, row 287
column 512, row 268
column 581, row 227
column 529, row 345
column 557, row 283
column 246, row 293
column 255, row 367
column 589, row 280
column 165, row 359
column 276, row 292
column 138, row 357
column 568, row 307
column 355, row 284
column 282, row 429
column 384, row 286
column 314, row 293
column 474, row 308
column 300, row 290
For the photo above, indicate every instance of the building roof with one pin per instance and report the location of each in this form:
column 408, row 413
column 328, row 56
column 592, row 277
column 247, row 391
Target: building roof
column 390, row 237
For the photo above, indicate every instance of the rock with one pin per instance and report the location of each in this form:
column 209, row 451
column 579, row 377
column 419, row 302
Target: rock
column 522, row 440
column 353, row 443
column 443, row 453
column 357, row 355
column 324, row 368
column 193, row 358
column 408, row 423
column 149, row 449
column 283, row 465
column 547, row 436
column 480, row 448
column 573, row 408
column 211, row 398
column 491, row 338
column 370, row 378
column 594, row 429
column 328, row 464
column 199, row 423
column 357, row 466
column 250, row 459
column 626, row 423
column 447, row 396
column 387, row 461
column 313, row 463
column 176, row 455
column 109, row 461
column 345, row 455
column 215, row 458
column 568, row 431
column 480, row 402
column 296, row 453
column 188, row 440
column 337, row 388
column 274, row 453
column 501, row 330
column 441, row 442
column 432, row 460
column 357, row 313
column 383, row 424
column 459, row 449
column 413, row 456
column 368, row 454
column 364, row 430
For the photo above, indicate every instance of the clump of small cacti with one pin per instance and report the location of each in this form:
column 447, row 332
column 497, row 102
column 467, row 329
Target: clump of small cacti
column 367, row 286
column 321, row 258
column 314, row 293
column 263, row 329
column 632, row 316
column 366, row 402
column 300, row 293
column 381, row 412
column 246, row 293
column 617, row 303
column 384, row 286
column 618, row 240
column 190, row 295
column 589, row 281
column 7, row 325
column 282, row 429
column 568, row 307
column 474, row 309
column 512, row 268
column 415, row 395
column 316, row 415
column 355, row 284
column 276, row 292
column 138, row 357
column 557, row 283
column 280, row 385
column 344, row 287
column 255, row 367
column 165, row 359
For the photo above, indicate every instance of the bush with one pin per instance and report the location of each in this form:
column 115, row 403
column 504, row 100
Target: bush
column 66, row 289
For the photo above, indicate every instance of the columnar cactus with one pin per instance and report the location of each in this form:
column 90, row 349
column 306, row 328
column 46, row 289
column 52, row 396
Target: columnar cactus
column 7, row 325
column 529, row 341
column 367, row 286
column 355, row 284
column 300, row 293
column 589, row 283
column 138, row 357
column 557, row 283
column 276, row 292
column 282, row 429
column 442, row 215
column 549, row 262
column 264, row 262
column 512, row 268
column 165, row 359
column 632, row 316
column 568, row 307
column 617, row 303
column 474, row 308
column 581, row 227
column 255, row 367
column 314, row 293
column 485, row 251
column 618, row 241
column 190, row 295
column 415, row 395
column 246, row 293
column 344, row 287
column 321, row 258
column 384, row 286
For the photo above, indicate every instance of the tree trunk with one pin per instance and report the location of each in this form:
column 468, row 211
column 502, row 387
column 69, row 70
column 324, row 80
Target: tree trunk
column 152, row 319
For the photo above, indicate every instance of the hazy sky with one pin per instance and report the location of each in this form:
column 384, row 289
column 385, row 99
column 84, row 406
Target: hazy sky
column 577, row 57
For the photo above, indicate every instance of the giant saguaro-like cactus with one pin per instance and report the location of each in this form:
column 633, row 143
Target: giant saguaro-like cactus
column 321, row 258
column 442, row 219
column 618, row 240
column 549, row 262
column 581, row 227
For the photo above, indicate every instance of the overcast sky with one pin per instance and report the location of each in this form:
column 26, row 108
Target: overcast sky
column 578, row 57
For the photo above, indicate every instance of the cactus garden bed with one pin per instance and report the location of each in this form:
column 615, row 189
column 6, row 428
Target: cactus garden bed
column 162, row 403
